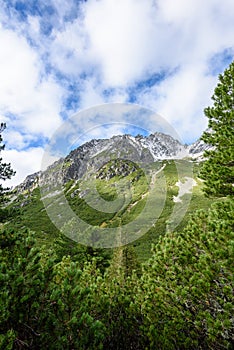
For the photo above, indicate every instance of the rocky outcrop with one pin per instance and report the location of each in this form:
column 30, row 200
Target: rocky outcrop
column 29, row 183
column 117, row 167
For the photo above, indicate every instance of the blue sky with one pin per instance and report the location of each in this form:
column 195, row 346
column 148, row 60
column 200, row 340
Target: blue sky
column 60, row 57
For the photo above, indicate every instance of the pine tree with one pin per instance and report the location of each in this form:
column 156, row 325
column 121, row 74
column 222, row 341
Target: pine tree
column 186, row 290
column 218, row 169
column 6, row 171
column 22, row 285
column 45, row 304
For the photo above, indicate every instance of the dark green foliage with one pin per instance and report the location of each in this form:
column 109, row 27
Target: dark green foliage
column 64, row 246
column 129, row 261
column 183, row 300
column 124, row 262
column 44, row 304
column 186, row 291
column 22, row 284
column 68, row 323
column 28, row 211
column 114, row 304
column 218, row 169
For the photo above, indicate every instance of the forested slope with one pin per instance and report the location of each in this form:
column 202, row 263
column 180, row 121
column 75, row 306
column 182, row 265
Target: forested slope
column 181, row 298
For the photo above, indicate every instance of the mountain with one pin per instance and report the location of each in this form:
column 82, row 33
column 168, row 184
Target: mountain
column 197, row 149
column 145, row 184
column 93, row 154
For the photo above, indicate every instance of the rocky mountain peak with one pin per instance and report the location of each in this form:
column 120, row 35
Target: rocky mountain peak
column 91, row 156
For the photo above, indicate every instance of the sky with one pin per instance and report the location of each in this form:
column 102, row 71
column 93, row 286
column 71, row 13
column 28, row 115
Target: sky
column 59, row 58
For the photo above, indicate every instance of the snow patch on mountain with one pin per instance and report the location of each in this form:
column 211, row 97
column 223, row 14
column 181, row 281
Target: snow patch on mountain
column 197, row 149
column 184, row 187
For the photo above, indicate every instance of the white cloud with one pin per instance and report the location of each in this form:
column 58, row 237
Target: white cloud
column 90, row 95
column 34, row 26
column 23, row 162
column 126, row 41
column 18, row 70
column 105, row 48
column 120, row 37
column 17, row 139
column 68, row 50
column 201, row 28
column 130, row 39
column 181, row 99
column 25, row 92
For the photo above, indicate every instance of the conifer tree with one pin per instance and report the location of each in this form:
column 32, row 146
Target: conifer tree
column 186, row 290
column 218, row 169
column 44, row 304
column 6, row 171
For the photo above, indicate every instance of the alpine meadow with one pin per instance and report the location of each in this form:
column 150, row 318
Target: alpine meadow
column 65, row 286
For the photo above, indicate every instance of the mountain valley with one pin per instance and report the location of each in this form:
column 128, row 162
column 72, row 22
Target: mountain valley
column 93, row 176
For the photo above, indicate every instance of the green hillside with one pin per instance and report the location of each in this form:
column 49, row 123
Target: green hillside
column 29, row 210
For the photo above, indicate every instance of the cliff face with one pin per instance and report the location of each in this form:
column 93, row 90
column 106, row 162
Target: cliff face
column 91, row 156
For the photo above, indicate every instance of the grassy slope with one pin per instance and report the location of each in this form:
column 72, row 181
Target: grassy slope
column 32, row 213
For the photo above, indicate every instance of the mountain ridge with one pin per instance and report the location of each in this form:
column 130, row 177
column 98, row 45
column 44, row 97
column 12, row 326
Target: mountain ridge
column 94, row 153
